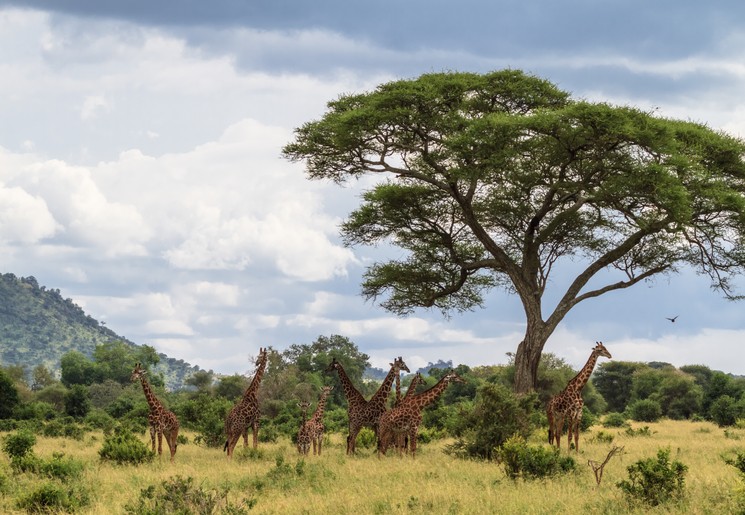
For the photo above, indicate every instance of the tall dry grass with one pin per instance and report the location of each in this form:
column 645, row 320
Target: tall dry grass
column 273, row 482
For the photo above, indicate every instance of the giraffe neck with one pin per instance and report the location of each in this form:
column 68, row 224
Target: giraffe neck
column 152, row 400
column 318, row 415
column 352, row 394
column 385, row 387
column 416, row 381
column 250, row 392
column 420, row 400
column 580, row 380
column 398, row 388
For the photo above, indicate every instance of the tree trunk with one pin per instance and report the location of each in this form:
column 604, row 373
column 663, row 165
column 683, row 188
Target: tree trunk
column 528, row 357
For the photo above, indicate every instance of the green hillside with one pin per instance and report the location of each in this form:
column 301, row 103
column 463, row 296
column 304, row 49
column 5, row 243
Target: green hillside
column 38, row 326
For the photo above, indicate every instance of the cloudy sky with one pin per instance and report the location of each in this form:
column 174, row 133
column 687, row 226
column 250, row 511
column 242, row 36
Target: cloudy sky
column 140, row 168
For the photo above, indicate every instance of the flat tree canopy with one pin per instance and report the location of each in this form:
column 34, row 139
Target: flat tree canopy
column 492, row 180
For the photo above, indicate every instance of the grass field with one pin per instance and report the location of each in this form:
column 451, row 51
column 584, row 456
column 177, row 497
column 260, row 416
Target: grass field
column 276, row 480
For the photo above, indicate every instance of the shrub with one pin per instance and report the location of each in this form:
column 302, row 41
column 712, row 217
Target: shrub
column 52, row 497
column 614, row 420
column 724, row 411
column 124, row 447
column 532, row 461
column 366, row 438
column 63, row 428
column 655, row 481
column 497, row 415
column 645, row 410
column 179, row 495
column 642, row 431
column 19, row 444
column 738, row 462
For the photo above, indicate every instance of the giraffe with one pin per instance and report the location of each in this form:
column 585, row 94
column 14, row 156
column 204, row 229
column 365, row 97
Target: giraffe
column 314, row 427
column 364, row 413
column 415, row 382
column 303, row 436
column 246, row 412
column 161, row 421
column 404, row 420
column 567, row 404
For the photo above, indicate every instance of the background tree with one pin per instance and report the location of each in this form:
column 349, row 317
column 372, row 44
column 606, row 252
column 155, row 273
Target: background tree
column 613, row 380
column 495, row 179
column 8, row 395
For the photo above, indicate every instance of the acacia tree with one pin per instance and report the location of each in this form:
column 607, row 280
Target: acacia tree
column 495, row 179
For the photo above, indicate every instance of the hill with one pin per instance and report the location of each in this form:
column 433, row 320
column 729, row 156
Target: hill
column 38, row 326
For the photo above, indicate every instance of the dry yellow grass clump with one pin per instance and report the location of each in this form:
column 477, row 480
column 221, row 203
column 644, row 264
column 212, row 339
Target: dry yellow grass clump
column 276, row 480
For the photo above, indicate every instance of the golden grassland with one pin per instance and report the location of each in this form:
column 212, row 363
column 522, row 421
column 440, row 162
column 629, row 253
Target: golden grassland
column 434, row 482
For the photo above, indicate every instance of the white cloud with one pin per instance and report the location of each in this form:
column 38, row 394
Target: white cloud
column 24, row 218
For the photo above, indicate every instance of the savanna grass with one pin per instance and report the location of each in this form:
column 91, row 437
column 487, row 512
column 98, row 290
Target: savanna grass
column 277, row 480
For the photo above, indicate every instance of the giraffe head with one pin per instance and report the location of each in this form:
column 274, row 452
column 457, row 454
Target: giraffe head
column 304, row 405
column 452, row 377
column 138, row 373
column 334, row 365
column 326, row 390
column 399, row 364
column 600, row 350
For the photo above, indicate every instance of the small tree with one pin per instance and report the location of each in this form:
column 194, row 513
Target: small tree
column 655, row 481
column 8, row 395
column 77, row 401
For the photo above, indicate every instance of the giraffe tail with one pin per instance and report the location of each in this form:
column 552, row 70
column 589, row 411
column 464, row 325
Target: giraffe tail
column 225, row 447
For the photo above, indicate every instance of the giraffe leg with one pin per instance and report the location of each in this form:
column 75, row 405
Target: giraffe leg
column 576, row 435
column 352, row 440
column 152, row 437
column 255, row 434
column 232, row 441
column 412, row 443
column 160, row 442
column 245, row 438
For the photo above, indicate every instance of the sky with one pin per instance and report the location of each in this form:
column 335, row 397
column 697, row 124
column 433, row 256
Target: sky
column 141, row 170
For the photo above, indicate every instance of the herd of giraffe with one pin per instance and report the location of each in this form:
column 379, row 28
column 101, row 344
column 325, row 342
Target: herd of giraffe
column 397, row 426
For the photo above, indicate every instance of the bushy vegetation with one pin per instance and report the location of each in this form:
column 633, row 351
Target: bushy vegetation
column 654, row 481
column 522, row 460
column 181, row 495
column 124, row 447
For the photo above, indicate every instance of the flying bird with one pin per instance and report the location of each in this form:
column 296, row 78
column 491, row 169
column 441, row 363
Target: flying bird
column 672, row 319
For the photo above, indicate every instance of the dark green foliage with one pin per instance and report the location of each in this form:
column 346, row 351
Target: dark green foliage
column 54, row 497
column 36, row 410
column 498, row 414
column 655, row 481
column 8, row 395
column 99, row 419
column 725, row 411
column 179, row 495
column 77, row 401
column 614, row 420
column 640, row 431
column 645, row 410
column 525, row 461
column 18, row 445
column 366, row 438
column 613, row 380
column 205, row 415
column 125, row 448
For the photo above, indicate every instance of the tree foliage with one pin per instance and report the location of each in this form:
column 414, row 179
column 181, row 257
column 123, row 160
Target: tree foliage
column 495, row 179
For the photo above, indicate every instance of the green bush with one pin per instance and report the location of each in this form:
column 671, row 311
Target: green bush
column 124, row 447
column 614, row 420
column 646, row 410
column 52, row 497
column 724, row 411
column 532, row 461
column 497, row 415
column 19, row 444
column 65, row 427
column 179, row 495
column 655, row 481
column 366, row 438
column 738, row 462
column 59, row 467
